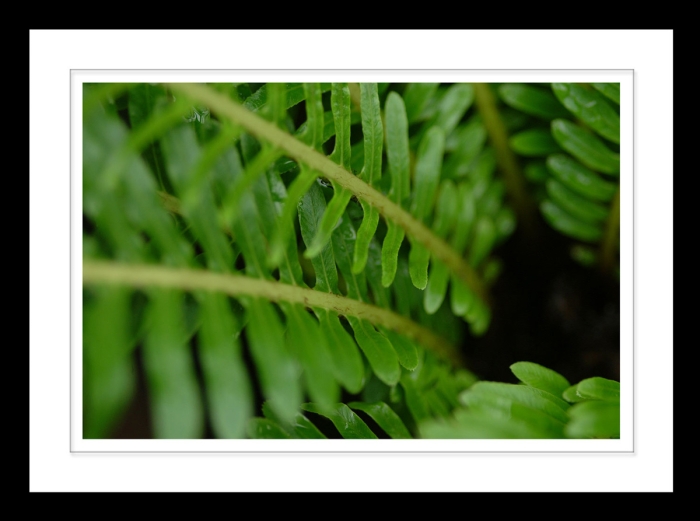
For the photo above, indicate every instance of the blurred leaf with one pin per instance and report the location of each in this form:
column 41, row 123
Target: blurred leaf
column 486, row 392
column 108, row 369
column 540, row 377
column 579, row 179
column 536, row 142
column 536, row 172
column 483, row 240
column 611, row 90
column 479, row 425
column 586, row 147
column 591, row 108
column 416, row 96
column 300, row 426
column 597, row 388
column 349, row 424
column 568, row 225
column 174, row 392
column 452, row 106
column 227, row 389
column 264, row 429
column 597, row 419
column 305, row 339
column 385, row 417
column 577, row 206
column 532, row 100
column 276, row 367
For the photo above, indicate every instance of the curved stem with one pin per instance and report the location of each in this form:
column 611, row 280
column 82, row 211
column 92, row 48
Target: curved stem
column 507, row 162
column 142, row 275
column 317, row 161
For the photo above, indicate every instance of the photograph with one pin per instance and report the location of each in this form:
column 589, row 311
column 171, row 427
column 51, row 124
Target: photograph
column 352, row 260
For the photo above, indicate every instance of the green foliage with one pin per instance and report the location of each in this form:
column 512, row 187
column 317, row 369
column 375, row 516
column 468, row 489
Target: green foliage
column 539, row 407
column 354, row 227
column 575, row 129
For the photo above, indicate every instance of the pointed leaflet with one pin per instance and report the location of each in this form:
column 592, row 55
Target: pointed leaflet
column 373, row 136
column 486, row 392
column 174, row 392
column 532, row 100
column 340, row 103
column 579, row 179
column 385, row 417
column 568, row 225
column 571, row 396
column 228, row 389
column 598, row 388
column 379, row 351
column 405, row 349
column 579, row 207
column 591, row 108
column 347, row 361
column 445, row 217
column 586, row 147
column 349, row 424
column 276, row 366
column 313, row 136
column 540, row 377
column 427, row 177
column 398, row 160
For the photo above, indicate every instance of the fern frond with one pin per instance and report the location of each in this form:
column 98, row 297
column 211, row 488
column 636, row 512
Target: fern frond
column 208, row 209
column 581, row 172
column 336, row 173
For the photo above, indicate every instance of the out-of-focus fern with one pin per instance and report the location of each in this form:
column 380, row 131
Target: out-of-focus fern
column 572, row 150
column 440, row 405
column 543, row 405
column 226, row 220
